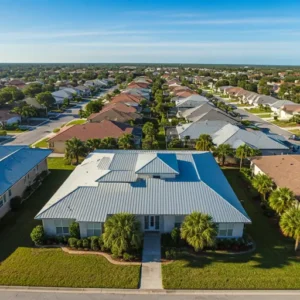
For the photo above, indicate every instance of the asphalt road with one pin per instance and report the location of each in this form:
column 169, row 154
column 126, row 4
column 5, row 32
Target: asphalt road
column 29, row 137
column 58, row 295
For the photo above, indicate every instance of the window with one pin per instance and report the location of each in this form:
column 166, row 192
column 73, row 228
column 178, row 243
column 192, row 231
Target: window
column 4, row 198
column 62, row 227
column 1, row 201
column 178, row 221
column 225, row 229
column 156, row 176
column 9, row 193
column 93, row 229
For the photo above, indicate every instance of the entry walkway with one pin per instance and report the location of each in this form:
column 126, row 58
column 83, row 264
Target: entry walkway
column 151, row 265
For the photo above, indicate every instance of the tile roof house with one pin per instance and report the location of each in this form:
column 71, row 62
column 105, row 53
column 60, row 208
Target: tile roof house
column 283, row 169
column 113, row 114
column 128, row 99
column 287, row 111
column 19, row 166
column 87, row 131
column 159, row 187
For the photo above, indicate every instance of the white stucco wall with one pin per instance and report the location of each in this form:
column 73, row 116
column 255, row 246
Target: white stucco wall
column 238, row 230
column 169, row 223
column 49, row 226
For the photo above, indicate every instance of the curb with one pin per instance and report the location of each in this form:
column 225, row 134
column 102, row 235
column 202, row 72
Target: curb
column 147, row 292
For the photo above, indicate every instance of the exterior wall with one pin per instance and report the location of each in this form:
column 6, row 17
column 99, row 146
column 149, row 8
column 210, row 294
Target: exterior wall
column 83, row 229
column 169, row 223
column 275, row 152
column 285, row 115
column 256, row 170
column 58, row 147
column 19, row 187
column 13, row 120
column 49, row 226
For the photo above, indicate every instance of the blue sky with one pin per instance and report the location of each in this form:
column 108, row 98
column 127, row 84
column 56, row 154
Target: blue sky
column 163, row 31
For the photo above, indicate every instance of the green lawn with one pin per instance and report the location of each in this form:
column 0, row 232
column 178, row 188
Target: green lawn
column 272, row 266
column 265, row 115
column 256, row 110
column 285, row 123
column 42, row 143
column 295, row 131
column 21, row 264
column 76, row 122
column 53, row 267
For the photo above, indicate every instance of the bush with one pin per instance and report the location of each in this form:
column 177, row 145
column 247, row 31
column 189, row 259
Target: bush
column 74, row 230
column 55, row 130
column 3, row 133
column 166, row 240
column 15, row 203
column 175, row 235
column 38, row 235
column 100, row 242
column 85, row 244
column 170, row 254
column 73, row 242
column 94, row 243
column 128, row 257
column 79, row 244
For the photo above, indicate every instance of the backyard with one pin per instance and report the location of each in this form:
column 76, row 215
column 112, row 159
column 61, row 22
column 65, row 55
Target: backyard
column 272, row 266
column 22, row 264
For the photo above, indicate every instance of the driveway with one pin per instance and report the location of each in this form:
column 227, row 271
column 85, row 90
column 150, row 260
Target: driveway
column 29, row 137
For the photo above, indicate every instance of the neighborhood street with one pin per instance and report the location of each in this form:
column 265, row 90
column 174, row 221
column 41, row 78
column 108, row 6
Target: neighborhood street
column 178, row 295
column 29, row 137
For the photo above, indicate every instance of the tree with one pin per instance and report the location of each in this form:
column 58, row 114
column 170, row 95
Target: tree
column 25, row 111
column 5, row 96
column 243, row 152
column 93, row 144
column 33, row 89
column 290, row 224
column 222, row 151
column 109, row 143
column 37, row 235
column 122, row 233
column 281, row 199
column 199, row 231
column 48, row 88
column 149, row 143
column 126, row 141
column 74, row 149
column 94, row 107
column 204, row 143
column 175, row 143
column 263, row 184
column 46, row 99
column 149, row 129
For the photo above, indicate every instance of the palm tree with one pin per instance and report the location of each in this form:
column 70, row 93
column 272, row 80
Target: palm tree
column 244, row 151
column 74, row 149
column 204, row 143
column 126, row 141
column 222, row 151
column 25, row 111
column 109, row 143
column 290, row 224
column 263, row 184
column 122, row 233
column 93, row 144
column 198, row 230
column 281, row 199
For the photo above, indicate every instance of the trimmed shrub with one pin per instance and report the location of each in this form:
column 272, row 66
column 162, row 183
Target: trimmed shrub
column 95, row 243
column 55, row 130
column 170, row 254
column 128, row 257
column 79, row 244
column 38, row 235
column 15, row 203
column 166, row 240
column 175, row 235
column 74, row 230
column 100, row 242
column 85, row 244
column 73, row 242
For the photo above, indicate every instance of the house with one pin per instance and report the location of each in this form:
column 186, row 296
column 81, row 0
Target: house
column 87, row 131
column 283, row 169
column 128, row 99
column 60, row 95
column 206, row 112
column 143, row 93
column 17, row 83
column 189, row 102
column 287, row 111
column 33, row 102
column 83, row 90
column 236, row 136
column 113, row 115
column 19, row 166
column 159, row 187
column 8, row 118
column 276, row 107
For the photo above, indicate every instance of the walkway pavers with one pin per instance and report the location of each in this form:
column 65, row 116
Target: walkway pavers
column 151, row 262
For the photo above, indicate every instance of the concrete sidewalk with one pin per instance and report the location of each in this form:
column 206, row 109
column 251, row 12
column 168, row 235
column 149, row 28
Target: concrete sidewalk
column 151, row 266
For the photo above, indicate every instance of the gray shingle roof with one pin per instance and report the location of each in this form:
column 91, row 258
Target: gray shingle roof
column 199, row 186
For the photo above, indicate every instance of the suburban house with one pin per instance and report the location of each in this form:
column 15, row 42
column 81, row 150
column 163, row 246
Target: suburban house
column 289, row 110
column 277, row 106
column 141, row 93
column 60, row 95
column 113, row 114
column 206, row 112
column 283, row 169
column 8, row 118
column 19, row 166
column 128, row 99
column 87, row 131
column 159, row 187
column 189, row 102
column 83, row 90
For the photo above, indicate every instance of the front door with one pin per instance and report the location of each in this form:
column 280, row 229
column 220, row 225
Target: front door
column 151, row 223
